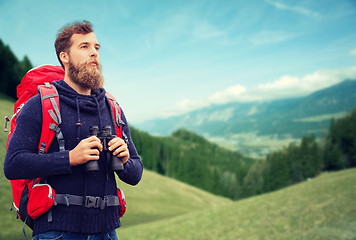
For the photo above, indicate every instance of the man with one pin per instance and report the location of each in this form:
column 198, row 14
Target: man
column 82, row 105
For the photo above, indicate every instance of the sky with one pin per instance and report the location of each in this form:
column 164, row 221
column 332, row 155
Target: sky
column 168, row 57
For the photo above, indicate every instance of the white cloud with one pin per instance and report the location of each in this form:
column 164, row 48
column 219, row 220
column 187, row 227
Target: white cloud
column 285, row 86
column 189, row 104
column 353, row 52
column 268, row 37
column 294, row 86
column 284, row 82
column 300, row 10
column 228, row 95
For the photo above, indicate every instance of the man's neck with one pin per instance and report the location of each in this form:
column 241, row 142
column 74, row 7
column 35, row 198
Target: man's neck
column 78, row 88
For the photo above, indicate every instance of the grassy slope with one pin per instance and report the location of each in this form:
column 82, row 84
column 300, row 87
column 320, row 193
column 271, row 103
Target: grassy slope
column 322, row 208
column 157, row 197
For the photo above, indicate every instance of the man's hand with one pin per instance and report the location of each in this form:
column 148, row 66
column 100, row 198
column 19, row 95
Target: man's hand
column 119, row 148
column 87, row 150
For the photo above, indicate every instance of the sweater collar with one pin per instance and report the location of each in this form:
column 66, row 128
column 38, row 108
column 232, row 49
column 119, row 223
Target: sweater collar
column 87, row 103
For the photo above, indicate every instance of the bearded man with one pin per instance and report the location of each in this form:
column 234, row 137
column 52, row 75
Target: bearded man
column 82, row 105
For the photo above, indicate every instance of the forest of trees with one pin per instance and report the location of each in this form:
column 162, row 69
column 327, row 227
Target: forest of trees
column 298, row 163
column 11, row 70
column 340, row 144
column 190, row 158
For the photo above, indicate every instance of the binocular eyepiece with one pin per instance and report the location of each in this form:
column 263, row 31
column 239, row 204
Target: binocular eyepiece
column 105, row 136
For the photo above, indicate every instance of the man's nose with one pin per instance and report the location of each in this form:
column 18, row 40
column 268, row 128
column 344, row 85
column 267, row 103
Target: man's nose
column 93, row 52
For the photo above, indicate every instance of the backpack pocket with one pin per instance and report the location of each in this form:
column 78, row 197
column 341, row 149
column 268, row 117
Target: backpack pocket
column 40, row 200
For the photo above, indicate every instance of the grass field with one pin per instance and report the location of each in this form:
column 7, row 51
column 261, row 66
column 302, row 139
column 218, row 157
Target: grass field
column 324, row 117
column 159, row 198
column 321, row 208
column 252, row 145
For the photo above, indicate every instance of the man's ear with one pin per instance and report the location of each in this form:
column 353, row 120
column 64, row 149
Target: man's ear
column 64, row 58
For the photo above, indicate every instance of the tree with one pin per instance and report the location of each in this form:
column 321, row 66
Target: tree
column 11, row 70
column 277, row 175
column 24, row 66
column 310, row 157
column 340, row 144
column 253, row 183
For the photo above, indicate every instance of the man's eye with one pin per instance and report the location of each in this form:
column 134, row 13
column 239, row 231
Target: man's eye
column 84, row 46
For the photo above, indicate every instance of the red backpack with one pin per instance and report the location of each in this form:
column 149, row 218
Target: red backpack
column 39, row 80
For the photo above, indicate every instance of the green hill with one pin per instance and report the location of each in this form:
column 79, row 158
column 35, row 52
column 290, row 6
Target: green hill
column 157, row 198
column 321, row 208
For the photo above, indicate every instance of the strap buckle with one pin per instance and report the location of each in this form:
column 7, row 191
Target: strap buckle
column 92, row 202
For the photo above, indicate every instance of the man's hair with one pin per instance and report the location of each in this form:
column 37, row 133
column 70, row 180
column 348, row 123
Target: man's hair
column 63, row 41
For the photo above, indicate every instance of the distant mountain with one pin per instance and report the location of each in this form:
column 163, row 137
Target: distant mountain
column 294, row 117
column 290, row 118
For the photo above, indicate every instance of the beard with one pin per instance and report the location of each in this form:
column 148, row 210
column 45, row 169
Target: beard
column 86, row 76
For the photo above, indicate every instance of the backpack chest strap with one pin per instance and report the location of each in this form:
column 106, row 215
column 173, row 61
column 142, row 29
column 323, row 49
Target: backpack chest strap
column 88, row 201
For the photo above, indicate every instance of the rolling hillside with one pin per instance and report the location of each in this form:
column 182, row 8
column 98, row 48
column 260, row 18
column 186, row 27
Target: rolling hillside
column 321, row 208
column 157, row 198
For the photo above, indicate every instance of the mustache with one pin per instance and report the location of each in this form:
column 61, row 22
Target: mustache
column 89, row 61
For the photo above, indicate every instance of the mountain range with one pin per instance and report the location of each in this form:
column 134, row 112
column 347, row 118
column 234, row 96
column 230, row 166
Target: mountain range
column 249, row 125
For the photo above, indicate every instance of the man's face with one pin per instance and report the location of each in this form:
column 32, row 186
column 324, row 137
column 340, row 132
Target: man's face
column 84, row 65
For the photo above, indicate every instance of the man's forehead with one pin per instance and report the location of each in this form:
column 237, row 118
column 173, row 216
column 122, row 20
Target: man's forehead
column 84, row 38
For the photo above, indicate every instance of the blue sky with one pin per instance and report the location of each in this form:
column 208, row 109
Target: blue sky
column 165, row 57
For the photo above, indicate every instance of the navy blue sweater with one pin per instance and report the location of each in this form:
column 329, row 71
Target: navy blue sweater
column 22, row 160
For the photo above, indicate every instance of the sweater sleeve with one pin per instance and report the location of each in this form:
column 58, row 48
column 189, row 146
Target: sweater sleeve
column 22, row 160
column 133, row 168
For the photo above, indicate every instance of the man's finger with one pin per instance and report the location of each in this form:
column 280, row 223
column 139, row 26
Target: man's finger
column 115, row 143
column 96, row 144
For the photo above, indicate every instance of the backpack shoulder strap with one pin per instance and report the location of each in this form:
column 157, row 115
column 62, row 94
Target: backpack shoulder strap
column 116, row 116
column 51, row 118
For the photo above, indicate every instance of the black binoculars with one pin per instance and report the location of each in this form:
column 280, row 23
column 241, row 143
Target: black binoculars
column 105, row 137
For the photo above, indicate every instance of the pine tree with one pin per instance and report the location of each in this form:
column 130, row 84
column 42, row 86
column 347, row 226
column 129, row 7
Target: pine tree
column 11, row 70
